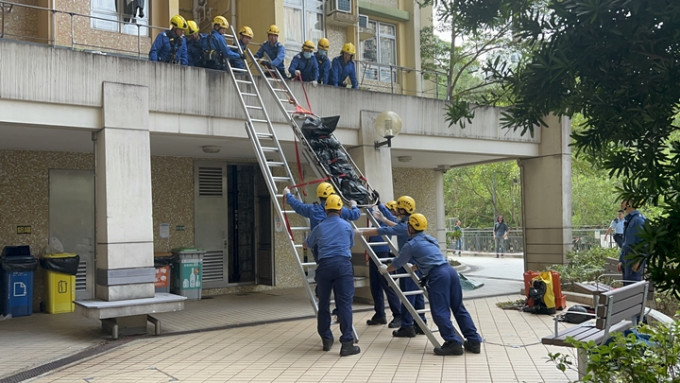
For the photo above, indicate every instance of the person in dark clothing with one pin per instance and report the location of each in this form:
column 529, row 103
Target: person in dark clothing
column 275, row 51
column 331, row 242
column 378, row 282
column 631, row 263
column 322, row 60
column 194, row 44
column 500, row 234
column 170, row 46
column 246, row 34
column 215, row 42
column 343, row 67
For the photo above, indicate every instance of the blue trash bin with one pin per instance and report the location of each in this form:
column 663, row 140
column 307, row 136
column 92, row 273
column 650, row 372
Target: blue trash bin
column 16, row 281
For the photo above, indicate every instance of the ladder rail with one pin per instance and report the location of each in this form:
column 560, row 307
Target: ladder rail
column 261, row 157
column 272, row 181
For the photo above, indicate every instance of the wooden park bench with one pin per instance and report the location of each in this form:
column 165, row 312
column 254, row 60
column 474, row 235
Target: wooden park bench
column 616, row 310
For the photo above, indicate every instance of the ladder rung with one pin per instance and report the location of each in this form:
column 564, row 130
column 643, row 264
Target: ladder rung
column 264, row 135
column 254, row 107
column 280, row 90
column 299, row 228
column 269, row 149
column 289, row 212
column 243, row 81
column 281, row 179
column 258, row 120
column 403, row 275
column 298, row 245
column 238, row 69
column 385, row 259
column 275, row 164
column 377, row 243
column 413, row 292
column 423, row 311
column 249, row 94
column 308, row 264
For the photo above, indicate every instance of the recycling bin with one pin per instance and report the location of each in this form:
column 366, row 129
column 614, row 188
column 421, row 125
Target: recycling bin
column 163, row 262
column 61, row 270
column 187, row 273
column 16, row 281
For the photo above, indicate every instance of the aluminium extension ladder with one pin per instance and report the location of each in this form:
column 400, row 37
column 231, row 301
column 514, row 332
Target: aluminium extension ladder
column 271, row 159
column 289, row 106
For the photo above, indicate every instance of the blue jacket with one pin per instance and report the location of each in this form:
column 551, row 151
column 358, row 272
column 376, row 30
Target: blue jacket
column 308, row 67
column 169, row 48
column 238, row 62
column 421, row 249
column 215, row 41
column 340, row 71
column 276, row 53
column 195, row 50
column 332, row 237
column 316, row 211
column 324, row 64
column 376, row 238
column 400, row 230
column 634, row 223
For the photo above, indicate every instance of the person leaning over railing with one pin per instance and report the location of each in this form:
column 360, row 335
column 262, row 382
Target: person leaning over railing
column 170, row 46
column 343, row 67
column 322, row 60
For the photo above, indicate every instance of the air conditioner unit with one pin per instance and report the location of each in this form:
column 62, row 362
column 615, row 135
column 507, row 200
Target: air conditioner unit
column 340, row 12
column 339, row 6
column 363, row 21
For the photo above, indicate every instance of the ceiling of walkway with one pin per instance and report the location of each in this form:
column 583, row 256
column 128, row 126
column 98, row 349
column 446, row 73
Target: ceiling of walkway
column 22, row 137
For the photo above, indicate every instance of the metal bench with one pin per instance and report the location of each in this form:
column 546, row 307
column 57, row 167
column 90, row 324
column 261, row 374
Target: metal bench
column 615, row 310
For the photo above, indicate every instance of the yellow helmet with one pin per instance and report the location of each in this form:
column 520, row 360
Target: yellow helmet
column 246, row 31
column 193, row 27
column 221, row 21
column 324, row 44
column 324, row 190
column 392, row 205
column 308, row 45
column 178, row 21
column 273, row 30
column 348, row 48
column 418, row 222
column 334, row 202
column 407, row 203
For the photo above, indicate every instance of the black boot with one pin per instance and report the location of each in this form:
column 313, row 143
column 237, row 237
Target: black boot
column 474, row 348
column 374, row 321
column 405, row 332
column 417, row 329
column 449, row 348
column 348, row 348
column 327, row 343
column 395, row 323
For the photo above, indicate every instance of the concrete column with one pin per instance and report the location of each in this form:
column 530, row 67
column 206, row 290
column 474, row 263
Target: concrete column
column 546, row 198
column 124, row 215
column 438, row 225
column 376, row 164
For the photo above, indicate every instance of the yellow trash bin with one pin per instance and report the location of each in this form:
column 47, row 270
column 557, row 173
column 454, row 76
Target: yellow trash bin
column 61, row 285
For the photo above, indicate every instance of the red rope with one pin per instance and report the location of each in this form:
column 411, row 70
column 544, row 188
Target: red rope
column 302, row 83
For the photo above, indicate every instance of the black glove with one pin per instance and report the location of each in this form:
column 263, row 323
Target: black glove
column 423, row 282
column 376, row 197
column 243, row 56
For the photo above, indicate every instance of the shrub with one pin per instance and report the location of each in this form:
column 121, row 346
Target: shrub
column 584, row 266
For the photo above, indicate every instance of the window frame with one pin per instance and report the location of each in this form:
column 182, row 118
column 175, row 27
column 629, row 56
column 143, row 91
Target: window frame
column 117, row 22
column 377, row 70
column 306, row 9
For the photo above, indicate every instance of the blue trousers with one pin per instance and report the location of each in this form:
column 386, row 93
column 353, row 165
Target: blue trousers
column 417, row 301
column 337, row 275
column 446, row 297
column 629, row 276
column 378, row 285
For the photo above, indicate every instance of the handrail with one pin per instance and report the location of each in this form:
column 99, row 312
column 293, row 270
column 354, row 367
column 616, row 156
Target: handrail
column 393, row 86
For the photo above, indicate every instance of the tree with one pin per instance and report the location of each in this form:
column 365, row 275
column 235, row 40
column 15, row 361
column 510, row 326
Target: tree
column 617, row 62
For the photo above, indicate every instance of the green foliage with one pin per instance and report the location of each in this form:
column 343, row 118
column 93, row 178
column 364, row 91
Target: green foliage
column 617, row 62
column 584, row 266
column 628, row 359
column 476, row 194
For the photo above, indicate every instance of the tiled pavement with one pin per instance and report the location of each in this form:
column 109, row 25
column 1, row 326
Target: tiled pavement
column 270, row 337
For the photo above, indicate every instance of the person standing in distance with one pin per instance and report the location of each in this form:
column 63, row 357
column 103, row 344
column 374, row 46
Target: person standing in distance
column 331, row 242
column 500, row 234
column 631, row 263
column 617, row 227
column 443, row 286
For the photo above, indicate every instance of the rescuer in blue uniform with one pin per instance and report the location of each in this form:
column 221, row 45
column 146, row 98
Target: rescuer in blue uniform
column 274, row 50
column 194, row 45
column 315, row 211
column 304, row 66
column 443, row 286
column 170, row 46
column 331, row 242
column 246, row 34
column 322, row 60
column 343, row 67
column 405, row 207
column 378, row 282
column 216, row 42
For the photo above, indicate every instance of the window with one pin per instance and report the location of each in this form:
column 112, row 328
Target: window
column 381, row 49
column 127, row 16
column 304, row 21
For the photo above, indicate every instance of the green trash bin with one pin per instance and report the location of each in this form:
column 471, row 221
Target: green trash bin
column 187, row 273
